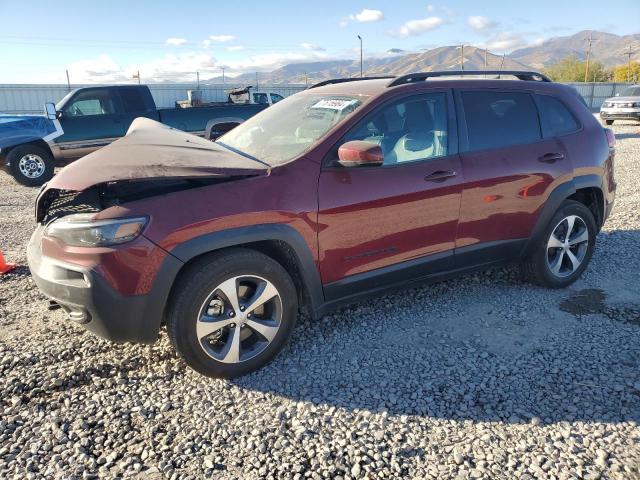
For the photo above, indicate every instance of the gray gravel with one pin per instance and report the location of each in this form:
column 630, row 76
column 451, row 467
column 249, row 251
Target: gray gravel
column 481, row 377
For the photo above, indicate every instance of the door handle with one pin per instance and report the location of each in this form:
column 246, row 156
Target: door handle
column 550, row 157
column 440, row 176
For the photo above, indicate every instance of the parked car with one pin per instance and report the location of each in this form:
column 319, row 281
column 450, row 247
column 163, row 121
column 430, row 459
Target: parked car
column 89, row 118
column 237, row 95
column 340, row 192
column 622, row 107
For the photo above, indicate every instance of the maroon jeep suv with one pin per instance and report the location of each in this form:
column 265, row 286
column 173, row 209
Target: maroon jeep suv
column 345, row 190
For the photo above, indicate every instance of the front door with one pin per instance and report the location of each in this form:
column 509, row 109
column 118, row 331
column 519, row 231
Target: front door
column 91, row 119
column 509, row 167
column 384, row 224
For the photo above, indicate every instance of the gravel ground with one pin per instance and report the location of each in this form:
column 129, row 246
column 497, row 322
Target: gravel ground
column 481, row 377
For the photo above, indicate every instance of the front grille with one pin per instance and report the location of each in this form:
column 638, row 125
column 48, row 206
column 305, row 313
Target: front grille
column 56, row 203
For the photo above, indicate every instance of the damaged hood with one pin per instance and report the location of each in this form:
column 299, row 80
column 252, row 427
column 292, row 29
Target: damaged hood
column 153, row 150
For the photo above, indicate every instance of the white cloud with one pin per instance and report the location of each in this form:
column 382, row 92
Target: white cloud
column 101, row 69
column 506, row 42
column 235, row 48
column 480, row 23
column 416, row 27
column 222, row 38
column 367, row 15
column 175, row 41
column 312, row 47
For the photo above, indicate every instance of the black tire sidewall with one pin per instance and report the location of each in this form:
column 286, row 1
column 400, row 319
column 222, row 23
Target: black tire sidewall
column 541, row 268
column 197, row 285
column 17, row 153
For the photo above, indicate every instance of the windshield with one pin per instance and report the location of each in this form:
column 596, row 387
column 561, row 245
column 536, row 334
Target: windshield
column 285, row 130
column 631, row 92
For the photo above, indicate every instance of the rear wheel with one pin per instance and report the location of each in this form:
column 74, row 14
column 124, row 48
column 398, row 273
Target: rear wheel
column 31, row 165
column 609, row 122
column 565, row 248
column 232, row 312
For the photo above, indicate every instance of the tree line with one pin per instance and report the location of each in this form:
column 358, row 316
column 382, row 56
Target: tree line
column 571, row 69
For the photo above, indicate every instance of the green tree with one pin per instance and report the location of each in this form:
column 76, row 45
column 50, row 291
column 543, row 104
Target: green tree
column 620, row 72
column 570, row 69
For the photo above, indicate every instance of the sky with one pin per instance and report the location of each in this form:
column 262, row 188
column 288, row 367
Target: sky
column 109, row 41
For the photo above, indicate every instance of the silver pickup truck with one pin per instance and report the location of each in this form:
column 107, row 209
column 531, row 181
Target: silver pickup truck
column 622, row 107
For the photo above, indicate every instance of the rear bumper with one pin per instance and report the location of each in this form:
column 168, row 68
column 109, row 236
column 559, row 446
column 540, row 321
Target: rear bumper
column 92, row 303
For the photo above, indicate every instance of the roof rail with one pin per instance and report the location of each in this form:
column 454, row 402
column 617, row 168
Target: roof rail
column 343, row 80
column 421, row 76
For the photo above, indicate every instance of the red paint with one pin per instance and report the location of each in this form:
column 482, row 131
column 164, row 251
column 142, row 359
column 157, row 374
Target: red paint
column 355, row 220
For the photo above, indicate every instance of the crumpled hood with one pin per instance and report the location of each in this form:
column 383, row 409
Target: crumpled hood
column 17, row 129
column 153, row 150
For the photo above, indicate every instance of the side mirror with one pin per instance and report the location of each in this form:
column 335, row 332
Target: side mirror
column 50, row 111
column 358, row 153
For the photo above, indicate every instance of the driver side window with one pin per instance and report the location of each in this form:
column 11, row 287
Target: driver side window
column 96, row 102
column 411, row 129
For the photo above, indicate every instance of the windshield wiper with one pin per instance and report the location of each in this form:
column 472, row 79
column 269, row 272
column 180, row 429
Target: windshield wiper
column 240, row 152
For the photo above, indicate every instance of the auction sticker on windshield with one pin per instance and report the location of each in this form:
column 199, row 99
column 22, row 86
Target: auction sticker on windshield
column 338, row 104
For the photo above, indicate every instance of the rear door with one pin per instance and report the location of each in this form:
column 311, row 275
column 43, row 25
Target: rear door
column 509, row 170
column 91, row 119
column 385, row 224
column 136, row 102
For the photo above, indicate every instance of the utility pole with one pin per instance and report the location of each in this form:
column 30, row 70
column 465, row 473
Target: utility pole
column 628, row 53
column 222, row 74
column 502, row 63
column 586, row 70
column 485, row 58
column 462, row 57
column 306, row 79
column 256, row 80
column 198, row 80
column 360, row 38
column 137, row 75
column 69, row 83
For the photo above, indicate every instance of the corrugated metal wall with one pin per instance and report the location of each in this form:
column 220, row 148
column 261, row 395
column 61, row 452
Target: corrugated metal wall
column 596, row 93
column 31, row 98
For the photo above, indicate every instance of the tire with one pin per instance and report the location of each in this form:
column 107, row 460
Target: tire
column 31, row 165
column 547, row 253
column 199, row 303
column 609, row 122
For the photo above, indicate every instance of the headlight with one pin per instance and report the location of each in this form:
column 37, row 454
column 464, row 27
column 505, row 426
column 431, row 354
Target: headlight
column 79, row 230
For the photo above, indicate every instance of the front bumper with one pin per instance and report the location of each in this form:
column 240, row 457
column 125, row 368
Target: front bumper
column 92, row 303
column 620, row 114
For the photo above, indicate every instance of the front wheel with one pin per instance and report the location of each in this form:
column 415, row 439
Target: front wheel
column 31, row 165
column 231, row 312
column 564, row 250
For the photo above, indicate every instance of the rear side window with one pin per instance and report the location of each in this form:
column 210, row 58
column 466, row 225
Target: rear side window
column 500, row 119
column 556, row 118
column 132, row 100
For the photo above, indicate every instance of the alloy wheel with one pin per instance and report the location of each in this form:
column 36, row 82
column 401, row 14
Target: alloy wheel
column 239, row 319
column 567, row 246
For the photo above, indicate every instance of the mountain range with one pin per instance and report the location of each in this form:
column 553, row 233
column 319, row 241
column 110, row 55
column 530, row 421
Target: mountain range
column 607, row 48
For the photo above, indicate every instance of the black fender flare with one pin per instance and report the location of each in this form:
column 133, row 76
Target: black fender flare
column 235, row 237
column 552, row 204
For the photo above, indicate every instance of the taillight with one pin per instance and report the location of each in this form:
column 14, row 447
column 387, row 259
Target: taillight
column 611, row 137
